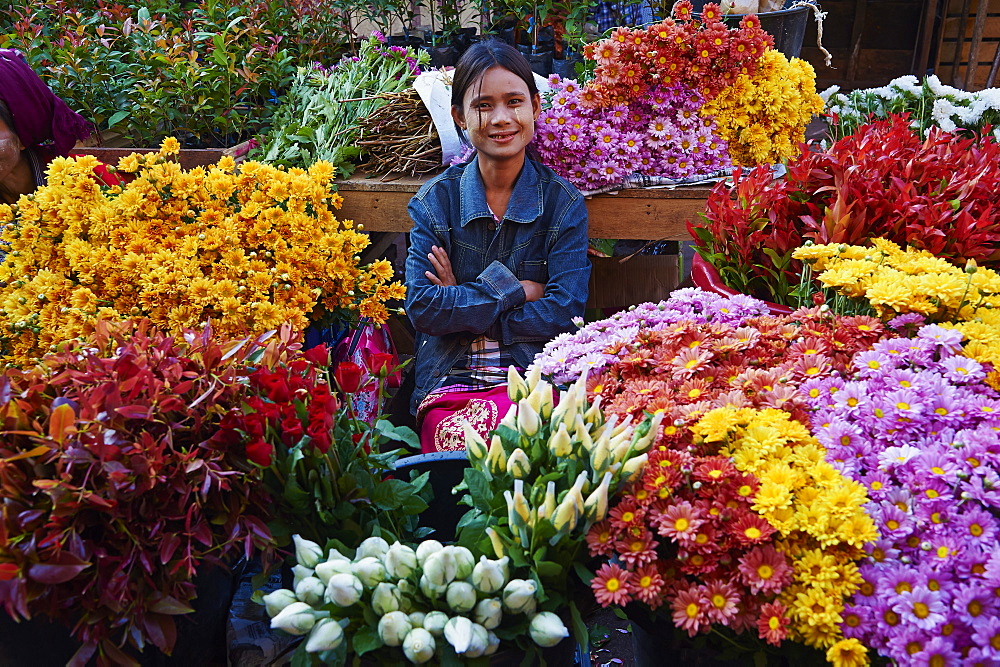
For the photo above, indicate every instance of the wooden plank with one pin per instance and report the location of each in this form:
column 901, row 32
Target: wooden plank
column 925, row 35
column 991, row 29
column 984, row 56
column 617, row 282
column 977, row 40
column 629, row 214
column 857, row 30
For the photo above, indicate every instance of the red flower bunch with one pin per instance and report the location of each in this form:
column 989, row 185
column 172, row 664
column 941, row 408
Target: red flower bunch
column 116, row 489
column 322, row 463
column 705, row 55
column 938, row 194
column 686, row 534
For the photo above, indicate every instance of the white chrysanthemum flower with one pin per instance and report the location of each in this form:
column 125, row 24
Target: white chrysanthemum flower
column 828, row 93
column 942, row 112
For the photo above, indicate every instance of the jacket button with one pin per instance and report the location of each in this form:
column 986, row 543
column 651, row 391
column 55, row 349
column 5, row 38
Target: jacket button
column 492, row 226
column 437, row 373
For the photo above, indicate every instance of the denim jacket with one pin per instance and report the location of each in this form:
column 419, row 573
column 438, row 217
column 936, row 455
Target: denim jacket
column 542, row 238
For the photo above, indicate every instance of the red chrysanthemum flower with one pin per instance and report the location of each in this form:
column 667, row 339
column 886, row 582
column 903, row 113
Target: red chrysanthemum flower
column 611, row 585
column 723, row 599
column 680, row 521
column 638, row 549
column 773, row 624
column 626, row 513
column 765, row 570
column 690, row 610
column 647, row 585
column 601, row 539
column 715, row 470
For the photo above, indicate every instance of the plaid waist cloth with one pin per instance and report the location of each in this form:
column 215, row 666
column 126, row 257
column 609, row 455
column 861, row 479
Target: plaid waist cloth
column 484, row 366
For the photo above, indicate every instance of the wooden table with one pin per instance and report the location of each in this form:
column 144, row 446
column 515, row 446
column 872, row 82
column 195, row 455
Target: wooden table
column 651, row 214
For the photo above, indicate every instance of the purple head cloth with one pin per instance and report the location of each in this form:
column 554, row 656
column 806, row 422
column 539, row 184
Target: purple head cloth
column 42, row 121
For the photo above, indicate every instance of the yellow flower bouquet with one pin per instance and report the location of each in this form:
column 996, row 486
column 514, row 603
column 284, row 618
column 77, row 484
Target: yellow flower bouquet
column 246, row 247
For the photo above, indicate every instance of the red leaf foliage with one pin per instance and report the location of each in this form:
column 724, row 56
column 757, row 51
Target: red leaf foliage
column 941, row 194
column 117, row 486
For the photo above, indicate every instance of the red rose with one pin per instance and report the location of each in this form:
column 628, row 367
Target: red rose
column 277, row 388
column 348, row 376
column 319, row 355
column 259, row 451
column 320, row 434
column 291, row 431
column 380, row 364
column 819, row 298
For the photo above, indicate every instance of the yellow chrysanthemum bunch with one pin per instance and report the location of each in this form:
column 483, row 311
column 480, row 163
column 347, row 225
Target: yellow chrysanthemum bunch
column 817, row 512
column 763, row 117
column 897, row 281
column 247, row 247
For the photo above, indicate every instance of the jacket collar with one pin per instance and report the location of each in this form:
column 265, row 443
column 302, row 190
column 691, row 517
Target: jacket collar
column 525, row 201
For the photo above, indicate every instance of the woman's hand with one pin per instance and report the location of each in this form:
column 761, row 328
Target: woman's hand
column 442, row 274
column 532, row 291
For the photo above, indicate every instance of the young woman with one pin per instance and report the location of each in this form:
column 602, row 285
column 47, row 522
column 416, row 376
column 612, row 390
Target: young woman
column 498, row 253
column 35, row 127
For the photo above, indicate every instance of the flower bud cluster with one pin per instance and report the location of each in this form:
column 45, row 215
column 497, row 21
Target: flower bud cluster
column 422, row 598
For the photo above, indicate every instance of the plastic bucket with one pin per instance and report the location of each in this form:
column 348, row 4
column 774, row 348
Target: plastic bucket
column 787, row 26
column 447, row 469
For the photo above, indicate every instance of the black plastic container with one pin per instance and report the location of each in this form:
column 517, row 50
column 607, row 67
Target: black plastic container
column 447, row 469
column 787, row 26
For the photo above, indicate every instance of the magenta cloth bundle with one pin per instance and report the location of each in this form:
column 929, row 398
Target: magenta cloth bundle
column 42, row 121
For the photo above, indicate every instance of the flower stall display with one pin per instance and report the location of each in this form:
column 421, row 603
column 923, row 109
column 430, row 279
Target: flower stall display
column 248, row 247
column 116, row 489
column 911, row 287
column 937, row 194
column 543, row 480
column 929, row 103
column 321, row 119
column 677, row 99
column 390, row 602
column 324, row 467
column 738, row 519
column 914, row 422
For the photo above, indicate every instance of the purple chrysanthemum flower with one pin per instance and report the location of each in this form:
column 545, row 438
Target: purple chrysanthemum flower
column 921, row 607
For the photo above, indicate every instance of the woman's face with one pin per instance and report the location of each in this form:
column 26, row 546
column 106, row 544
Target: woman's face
column 499, row 114
column 10, row 150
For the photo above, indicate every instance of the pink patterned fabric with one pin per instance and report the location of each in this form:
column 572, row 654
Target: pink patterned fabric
column 441, row 416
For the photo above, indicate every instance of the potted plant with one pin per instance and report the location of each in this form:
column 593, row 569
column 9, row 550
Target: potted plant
column 199, row 253
column 884, row 181
column 116, row 491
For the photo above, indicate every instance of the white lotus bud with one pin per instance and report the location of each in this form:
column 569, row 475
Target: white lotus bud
column 326, row 635
column 417, row 618
column 533, row 377
column 518, row 464
column 331, row 567
column 419, row 646
column 300, row 572
column 461, row 597
column 400, row 561
column 276, row 601
column 430, row 589
column 566, row 410
column 496, row 457
column 516, row 387
column 310, row 590
column 475, row 446
column 488, row 613
column 497, row 543
column 393, row 628
column 519, row 596
column 548, row 508
column 480, row 642
column 490, row 576
column 596, row 505
column 560, row 444
column 494, row 643
column 528, row 421
column 373, row 546
column 297, row 618
column 510, row 419
column 440, row 567
column 633, row 467
column 307, row 553
column 426, row 548
column 370, row 571
column 540, row 399
column 385, row 598
column 581, row 431
column 547, row 629
column 434, row 622
column 343, row 589
column 464, row 562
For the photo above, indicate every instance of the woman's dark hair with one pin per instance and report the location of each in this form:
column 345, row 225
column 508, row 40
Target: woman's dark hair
column 6, row 116
column 473, row 64
column 480, row 57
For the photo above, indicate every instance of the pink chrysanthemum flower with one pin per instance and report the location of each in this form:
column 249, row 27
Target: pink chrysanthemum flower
column 690, row 610
column 765, row 570
column 611, row 585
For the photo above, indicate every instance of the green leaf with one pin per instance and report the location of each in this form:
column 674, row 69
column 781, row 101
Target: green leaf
column 479, row 488
column 548, row 569
column 365, row 640
column 760, row 659
column 579, row 627
column 116, row 118
column 620, row 613
column 585, row 575
column 391, row 494
column 402, row 434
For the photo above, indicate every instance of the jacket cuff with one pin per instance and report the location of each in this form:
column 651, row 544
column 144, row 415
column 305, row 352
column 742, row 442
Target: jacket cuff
column 504, row 284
